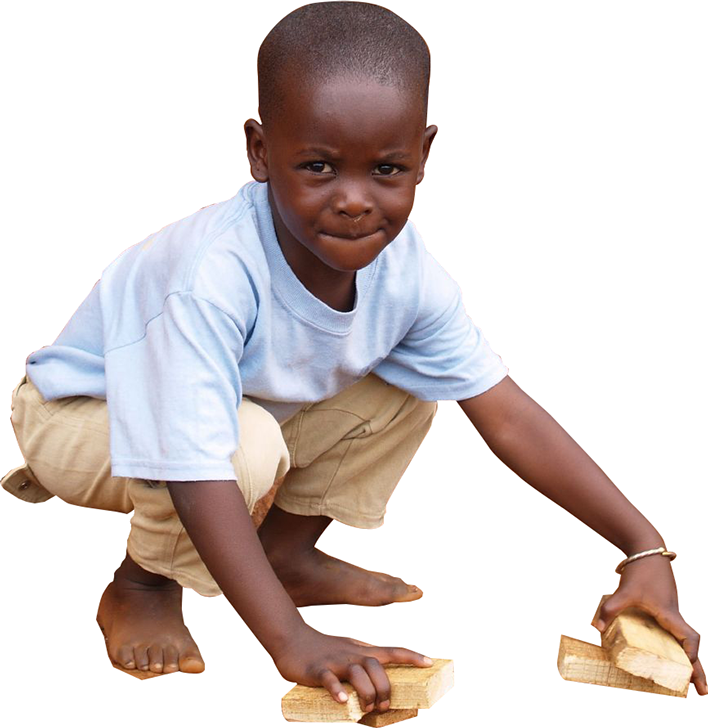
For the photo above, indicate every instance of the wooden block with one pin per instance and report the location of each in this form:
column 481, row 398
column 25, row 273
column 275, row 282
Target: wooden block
column 389, row 717
column 316, row 705
column 411, row 687
column 419, row 687
column 582, row 662
column 636, row 643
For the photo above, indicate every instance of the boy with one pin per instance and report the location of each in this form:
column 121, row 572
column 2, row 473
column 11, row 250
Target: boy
column 313, row 270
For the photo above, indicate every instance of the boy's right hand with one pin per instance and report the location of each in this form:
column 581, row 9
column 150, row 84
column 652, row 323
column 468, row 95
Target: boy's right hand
column 312, row 658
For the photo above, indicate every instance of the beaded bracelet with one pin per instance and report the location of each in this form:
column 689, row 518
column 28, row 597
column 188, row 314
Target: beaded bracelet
column 661, row 550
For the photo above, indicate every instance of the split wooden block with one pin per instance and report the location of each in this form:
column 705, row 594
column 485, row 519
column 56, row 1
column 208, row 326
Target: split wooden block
column 582, row 662
column 389, row 717
column 411, row 688
column 375, row 720
column 637, row 644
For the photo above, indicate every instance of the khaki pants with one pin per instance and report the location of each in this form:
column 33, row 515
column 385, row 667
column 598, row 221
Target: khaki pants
column 341, row 458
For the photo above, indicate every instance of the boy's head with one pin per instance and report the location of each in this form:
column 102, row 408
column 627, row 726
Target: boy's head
column 343, row 90
column 318, row 43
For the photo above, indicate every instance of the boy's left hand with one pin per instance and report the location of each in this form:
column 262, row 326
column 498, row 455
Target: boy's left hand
column 649, row 585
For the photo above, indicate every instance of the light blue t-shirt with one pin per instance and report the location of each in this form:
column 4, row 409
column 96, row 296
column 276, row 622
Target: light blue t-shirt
column 207, row 310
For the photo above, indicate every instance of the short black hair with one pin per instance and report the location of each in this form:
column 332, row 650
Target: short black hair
column 323, row 41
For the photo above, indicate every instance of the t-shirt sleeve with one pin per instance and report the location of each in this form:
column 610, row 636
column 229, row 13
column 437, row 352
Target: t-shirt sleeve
column 443, row 355
column 173, row 395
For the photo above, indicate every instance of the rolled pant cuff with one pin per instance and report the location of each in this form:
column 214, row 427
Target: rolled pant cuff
column 331, row 510
column 184, row 579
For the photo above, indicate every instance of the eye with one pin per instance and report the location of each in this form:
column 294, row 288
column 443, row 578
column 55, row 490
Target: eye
column 388, row 170
column 319, row 167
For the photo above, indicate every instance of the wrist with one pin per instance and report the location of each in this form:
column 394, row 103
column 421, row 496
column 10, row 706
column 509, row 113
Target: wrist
column 650, row 563
column 288, row 640
column 643, row 555
column 651, row 539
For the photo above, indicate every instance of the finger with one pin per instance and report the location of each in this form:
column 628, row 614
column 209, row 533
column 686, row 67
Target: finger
column 687, row 636
column 380, row 681
column 699, row 678
column 361, row 682
column 670, row 620
column 330, row 681
column 359, row 643
column 617, row 603
column 399, row 656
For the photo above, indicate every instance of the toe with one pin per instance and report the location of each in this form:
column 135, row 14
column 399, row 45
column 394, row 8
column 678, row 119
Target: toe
column 141, row 657
column 155, row 657
column 414, row 592
column 171, row 657
column 191, row 664
column 124, row 657
column 409, row 593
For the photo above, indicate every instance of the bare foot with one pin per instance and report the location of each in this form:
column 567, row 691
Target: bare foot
column 312, row 577
column 140, row 615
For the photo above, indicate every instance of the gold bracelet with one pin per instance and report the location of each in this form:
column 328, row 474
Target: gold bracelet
column 661, row 550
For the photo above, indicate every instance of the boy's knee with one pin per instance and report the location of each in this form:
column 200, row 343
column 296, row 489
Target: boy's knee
column 262, row 456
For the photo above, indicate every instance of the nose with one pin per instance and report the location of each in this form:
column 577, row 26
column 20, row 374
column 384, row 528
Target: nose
column 353, row 201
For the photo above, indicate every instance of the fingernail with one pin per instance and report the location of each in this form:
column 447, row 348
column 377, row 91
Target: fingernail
column 385, row 705
column 600, row 625
column 343, row 696
column 369, row 708
column 427, row 661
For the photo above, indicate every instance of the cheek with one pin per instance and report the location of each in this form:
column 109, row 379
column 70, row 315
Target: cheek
column 299, row 206
column 398, row 203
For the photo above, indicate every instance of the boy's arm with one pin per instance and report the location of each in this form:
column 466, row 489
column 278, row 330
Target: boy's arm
column 530, row 442
column 527, row 439
column 217, row 521
column 215, row 516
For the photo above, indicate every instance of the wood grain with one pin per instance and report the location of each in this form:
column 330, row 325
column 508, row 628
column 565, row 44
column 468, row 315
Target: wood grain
column 389, row 717
column 637, row 644
column 411, row 688
column 582, row 662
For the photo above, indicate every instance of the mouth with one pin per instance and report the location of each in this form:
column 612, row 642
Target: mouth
column 350, row 236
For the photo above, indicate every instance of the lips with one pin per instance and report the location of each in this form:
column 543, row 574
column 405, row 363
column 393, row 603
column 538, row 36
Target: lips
column 351, row 236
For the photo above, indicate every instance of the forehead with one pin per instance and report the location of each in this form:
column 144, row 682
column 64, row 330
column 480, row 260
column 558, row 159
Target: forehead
column 350, row 113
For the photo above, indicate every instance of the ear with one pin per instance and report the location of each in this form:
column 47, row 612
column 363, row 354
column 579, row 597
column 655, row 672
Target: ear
column 428, row 136
column 256, row 150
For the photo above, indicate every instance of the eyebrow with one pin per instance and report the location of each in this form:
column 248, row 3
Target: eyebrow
column 396, row 155
column 334, row 154
column 318, row 152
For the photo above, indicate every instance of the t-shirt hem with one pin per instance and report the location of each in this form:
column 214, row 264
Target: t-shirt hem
column 172, row 472
column 457, row 393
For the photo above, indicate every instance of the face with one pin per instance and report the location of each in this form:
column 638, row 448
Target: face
column 342, row 167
